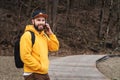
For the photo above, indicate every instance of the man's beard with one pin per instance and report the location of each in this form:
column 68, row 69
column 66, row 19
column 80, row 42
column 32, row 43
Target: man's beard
column 37, row 28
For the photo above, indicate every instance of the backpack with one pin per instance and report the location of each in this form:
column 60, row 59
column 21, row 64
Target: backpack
column 18, row 61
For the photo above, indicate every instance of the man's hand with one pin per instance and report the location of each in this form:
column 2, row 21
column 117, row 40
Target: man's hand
column 48, row 31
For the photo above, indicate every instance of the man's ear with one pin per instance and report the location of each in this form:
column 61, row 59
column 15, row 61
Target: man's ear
column 33, row 21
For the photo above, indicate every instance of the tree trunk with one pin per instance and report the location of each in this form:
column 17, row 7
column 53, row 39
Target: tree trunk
column 109, row 18
column 101, row 19
column 47, row 8
column 67, row 12
column 118, row 19
column 54, row 19
column 50, row 11
column 29, row 7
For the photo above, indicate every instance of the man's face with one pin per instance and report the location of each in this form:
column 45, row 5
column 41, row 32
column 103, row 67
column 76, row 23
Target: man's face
column 39, row 23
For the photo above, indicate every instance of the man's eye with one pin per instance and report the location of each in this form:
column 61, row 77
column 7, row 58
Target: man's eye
column 43, row 20
column 38, row 20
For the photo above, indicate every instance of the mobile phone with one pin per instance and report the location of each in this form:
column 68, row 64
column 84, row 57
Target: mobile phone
column 45, row 28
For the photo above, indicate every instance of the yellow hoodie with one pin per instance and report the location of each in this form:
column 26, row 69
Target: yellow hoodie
column 36, row 58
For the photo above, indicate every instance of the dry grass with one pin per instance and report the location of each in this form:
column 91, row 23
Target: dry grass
column 8, row 71
column 110, row 68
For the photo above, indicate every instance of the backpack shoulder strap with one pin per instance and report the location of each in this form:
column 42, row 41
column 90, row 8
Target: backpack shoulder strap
column 32, row 38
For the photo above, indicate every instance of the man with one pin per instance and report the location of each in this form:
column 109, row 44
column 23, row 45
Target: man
column 35, row 58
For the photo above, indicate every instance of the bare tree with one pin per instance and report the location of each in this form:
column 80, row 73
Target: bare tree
column 68, row 11
column 109, row 18
column 101, row 19
column 54, row 15
column 29, row 7
column 118, row 19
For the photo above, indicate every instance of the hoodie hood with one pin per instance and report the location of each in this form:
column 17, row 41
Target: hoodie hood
column 31, row 28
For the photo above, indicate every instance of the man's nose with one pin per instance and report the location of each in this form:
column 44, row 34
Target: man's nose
column 42, row 22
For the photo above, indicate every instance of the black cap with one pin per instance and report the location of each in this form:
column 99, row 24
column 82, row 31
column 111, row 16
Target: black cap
column 39, row 13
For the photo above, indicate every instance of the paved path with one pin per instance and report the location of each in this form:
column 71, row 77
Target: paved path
column 78, row 67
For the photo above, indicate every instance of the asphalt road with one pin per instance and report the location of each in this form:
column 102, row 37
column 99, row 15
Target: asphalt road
column 78, row 67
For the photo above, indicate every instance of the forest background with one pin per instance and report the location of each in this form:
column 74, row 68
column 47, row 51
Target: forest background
column 82, row 26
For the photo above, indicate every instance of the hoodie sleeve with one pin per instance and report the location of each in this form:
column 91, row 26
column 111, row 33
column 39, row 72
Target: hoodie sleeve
column 53, row 43
column 26, row 50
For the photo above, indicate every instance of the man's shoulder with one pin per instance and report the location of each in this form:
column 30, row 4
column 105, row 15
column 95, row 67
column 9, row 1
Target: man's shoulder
column 26, row 34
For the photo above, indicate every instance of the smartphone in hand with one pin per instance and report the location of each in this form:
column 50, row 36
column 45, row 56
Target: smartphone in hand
column 45, row 28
